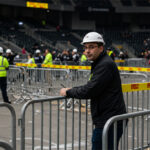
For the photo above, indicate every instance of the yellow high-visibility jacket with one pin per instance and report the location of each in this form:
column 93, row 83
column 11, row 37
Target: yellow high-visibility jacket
column 48, row 59
column 83, row 58
column 4, row 64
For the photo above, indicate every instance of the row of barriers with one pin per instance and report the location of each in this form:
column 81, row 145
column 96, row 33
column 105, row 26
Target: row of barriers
column 28, row 83
column 43, row 124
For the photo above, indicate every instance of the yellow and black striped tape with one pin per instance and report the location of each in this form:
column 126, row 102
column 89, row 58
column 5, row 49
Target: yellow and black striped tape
column 82, row 67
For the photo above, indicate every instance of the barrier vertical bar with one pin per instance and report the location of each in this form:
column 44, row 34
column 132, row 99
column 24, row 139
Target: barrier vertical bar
column 148, row 117
column 65, row 124
column 132, row 101
column 143, row 100
column 72, row 124
column 50, row 125
column 127, row 112
column 42, row 124
column 142, row 132
column 58, row 117
column 86, row 124
column 137, row 120
column 124, row 125
column 79, row 124
column 133, row 123
column 115, row 136
column 32, row 126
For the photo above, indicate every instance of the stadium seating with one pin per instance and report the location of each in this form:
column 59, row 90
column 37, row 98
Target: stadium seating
column 94, row 3
column 143, row 2
column 126, row 2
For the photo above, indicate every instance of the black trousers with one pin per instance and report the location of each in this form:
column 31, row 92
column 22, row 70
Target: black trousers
column 3, row 87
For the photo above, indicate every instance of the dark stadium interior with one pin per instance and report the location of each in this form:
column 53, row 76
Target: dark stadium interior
column 65, row 22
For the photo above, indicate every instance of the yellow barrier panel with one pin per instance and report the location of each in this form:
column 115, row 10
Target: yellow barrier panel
column 135, row 87
column 118, row 61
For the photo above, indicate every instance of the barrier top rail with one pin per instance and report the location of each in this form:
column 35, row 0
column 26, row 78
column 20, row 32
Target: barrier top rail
column 23, row 110
column 5, row 145
column 118, row 118
column 83, row 67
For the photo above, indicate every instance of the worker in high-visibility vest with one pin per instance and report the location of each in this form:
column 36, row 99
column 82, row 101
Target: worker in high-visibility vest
column 110, row 53
column 31, row 60
column 4, row 65
column 83, row 58
column 48, row 58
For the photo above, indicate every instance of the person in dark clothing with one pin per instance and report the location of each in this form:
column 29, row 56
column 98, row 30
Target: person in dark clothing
column 110, row 53
column 38, row 58
column 4, row 65
column 10, row 56
column 104, row 89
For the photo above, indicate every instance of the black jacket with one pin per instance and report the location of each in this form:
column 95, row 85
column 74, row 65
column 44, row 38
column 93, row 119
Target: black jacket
column 104, row 90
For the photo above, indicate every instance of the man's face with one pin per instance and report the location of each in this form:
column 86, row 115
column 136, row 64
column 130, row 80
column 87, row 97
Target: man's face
column 92, row 51
column 46, row 51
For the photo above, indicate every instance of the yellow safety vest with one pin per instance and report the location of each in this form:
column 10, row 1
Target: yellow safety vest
column 33, row 62
column 3, row 65
column 48, row 59
column 110, row 53
column 83, row 58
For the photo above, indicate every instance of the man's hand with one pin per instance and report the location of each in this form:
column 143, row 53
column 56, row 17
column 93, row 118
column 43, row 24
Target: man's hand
column 63, row 91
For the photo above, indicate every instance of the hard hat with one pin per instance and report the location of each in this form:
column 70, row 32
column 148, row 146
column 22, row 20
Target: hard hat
column 121, row 53
column 8, row 51
column 1, row 50
column 75, row 50
column 37, row 51
column 93, row 37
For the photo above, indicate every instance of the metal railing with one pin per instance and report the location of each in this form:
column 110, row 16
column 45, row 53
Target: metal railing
column 6, row 146
column 127, row 77
column 66, row 130
column 135, row 134
column 13, row 124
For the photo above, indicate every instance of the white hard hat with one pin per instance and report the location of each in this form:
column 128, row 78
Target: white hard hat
column 8, row 51
column 1, row 50
column 93, row 37
column 37, row 51
column 75, row 50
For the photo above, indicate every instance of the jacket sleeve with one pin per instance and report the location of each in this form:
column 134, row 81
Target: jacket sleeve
column 101, row 78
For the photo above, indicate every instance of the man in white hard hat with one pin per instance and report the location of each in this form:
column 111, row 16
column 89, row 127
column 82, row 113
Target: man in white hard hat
column 10, row 56
column 75, row 56
column 38, row 58
column 103, row 88
column 3, row 76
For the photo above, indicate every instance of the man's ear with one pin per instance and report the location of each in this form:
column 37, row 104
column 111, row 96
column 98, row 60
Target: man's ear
column 101, row 48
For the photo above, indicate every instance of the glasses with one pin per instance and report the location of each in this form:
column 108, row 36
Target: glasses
column 90, row 47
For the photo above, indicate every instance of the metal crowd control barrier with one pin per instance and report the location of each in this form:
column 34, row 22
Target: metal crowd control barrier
column 136, row 96
column 5, row 145
column 13, row 126
column 136, row 62
column 133, row 77
column 45, row 81
column 136, row 135
column 65, row 128
column 15, row 77
column 53, row 128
